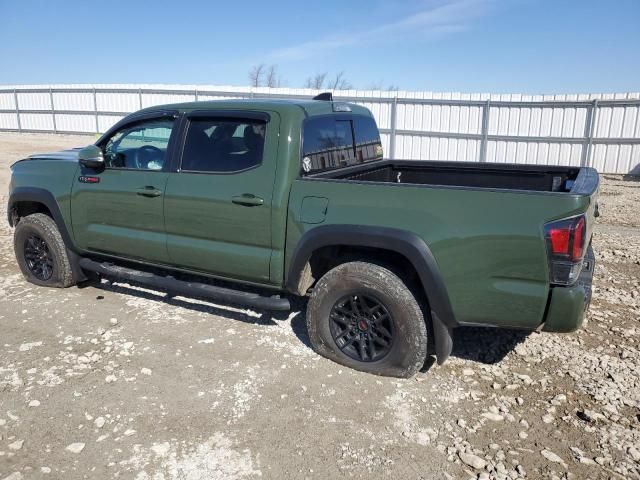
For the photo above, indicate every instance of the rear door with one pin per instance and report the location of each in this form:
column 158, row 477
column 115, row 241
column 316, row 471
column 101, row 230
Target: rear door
column 119, row 210
column 218, row 203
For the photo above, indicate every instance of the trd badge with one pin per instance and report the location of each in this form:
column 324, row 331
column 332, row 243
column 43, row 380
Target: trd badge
column 88, row 179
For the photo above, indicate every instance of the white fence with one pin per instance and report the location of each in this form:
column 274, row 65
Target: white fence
column 599, row 130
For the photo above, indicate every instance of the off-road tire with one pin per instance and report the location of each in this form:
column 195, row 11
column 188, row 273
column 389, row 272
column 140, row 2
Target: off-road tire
column 43, row 227
column 408, row 349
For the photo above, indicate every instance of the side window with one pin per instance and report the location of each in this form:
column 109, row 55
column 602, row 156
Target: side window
column 327, row 143
column 141, row 146
column 368, row 144
column 223, row 145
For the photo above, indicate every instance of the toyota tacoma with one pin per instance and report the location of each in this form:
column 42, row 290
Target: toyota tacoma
column 252, row 202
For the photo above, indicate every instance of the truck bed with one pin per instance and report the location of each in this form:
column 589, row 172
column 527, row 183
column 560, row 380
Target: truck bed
column 541, row 178
column 482, row 222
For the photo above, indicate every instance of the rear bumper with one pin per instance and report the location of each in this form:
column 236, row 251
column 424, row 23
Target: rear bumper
column 568, row 305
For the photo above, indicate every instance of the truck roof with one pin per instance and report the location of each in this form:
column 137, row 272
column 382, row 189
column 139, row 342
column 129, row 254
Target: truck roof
column 279, row 105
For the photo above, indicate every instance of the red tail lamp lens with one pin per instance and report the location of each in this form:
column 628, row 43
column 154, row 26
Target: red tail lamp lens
column 560, row 240
column 578, row 240
column 567, row 238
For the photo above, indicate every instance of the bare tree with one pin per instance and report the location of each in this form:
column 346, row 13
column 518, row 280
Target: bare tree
column 339, row 82
column 256, row 75
column 317, row 81
column 273, row 80
column 263, row 75
column 380, row 86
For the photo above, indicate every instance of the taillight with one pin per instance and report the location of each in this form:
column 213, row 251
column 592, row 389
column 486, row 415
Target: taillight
column 577, row 252
column 559, row 240
column 566, row 248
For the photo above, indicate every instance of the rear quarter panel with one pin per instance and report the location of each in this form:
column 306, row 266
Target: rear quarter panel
column 488, row 244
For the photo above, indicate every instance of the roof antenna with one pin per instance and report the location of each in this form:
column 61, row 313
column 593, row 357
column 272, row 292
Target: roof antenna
column 326, row 96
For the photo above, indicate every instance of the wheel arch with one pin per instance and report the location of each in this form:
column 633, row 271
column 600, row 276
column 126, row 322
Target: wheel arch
column 37, row 196
column 398, row 242
column 27, row 200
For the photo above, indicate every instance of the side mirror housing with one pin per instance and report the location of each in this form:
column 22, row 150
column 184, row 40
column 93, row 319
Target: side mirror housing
column 91, row 157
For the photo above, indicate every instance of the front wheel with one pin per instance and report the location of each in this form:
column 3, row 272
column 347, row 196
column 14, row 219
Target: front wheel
column 41, row 253
column 363, row 316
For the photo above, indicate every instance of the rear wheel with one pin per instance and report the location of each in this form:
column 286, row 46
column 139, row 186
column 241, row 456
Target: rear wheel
column 41, row 253
column 363, row 316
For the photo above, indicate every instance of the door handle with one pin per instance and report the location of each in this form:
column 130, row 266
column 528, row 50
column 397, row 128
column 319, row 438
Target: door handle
column 248, row 200
column 149, row 191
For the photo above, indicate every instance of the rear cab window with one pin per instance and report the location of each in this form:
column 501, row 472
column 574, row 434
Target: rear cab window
column 223, row 145
column 331, row 142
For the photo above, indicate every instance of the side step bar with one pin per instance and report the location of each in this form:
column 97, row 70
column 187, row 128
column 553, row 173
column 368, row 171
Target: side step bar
column 188, row 289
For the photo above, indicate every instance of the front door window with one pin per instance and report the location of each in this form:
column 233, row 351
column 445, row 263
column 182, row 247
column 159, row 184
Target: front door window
column 141, row 146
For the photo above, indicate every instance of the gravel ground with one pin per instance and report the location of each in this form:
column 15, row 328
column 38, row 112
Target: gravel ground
column 110, row 381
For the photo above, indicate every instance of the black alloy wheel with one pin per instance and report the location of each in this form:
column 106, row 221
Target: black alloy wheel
column 38, row 257
column 362, row 327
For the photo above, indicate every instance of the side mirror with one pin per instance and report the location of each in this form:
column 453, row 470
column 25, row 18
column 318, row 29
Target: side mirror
column 91, row 157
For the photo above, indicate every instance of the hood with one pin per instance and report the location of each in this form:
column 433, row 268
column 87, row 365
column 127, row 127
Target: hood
column 70, row 154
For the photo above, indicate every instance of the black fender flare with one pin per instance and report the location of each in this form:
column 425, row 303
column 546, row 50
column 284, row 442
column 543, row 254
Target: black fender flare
column 405, row 243
column 46, row 198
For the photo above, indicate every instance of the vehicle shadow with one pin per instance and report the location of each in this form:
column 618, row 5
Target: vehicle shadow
column 633, row 175
column 478, row 344
column 299, row 321
column 486, row 345
column 258, row 317
column 482, row 344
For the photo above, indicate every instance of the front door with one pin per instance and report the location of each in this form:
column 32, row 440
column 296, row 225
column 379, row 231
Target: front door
column 119, row 211
column 218, row 204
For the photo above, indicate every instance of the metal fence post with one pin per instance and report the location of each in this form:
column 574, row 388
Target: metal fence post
column 95, row 109
column 589, row 129
column 392, row 136
column 15, row 99
column 589, row 141
column 485, row 130
column 53, row 111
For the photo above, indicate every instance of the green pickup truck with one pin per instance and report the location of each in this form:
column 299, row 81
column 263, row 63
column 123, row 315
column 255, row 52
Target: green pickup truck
column 251, row 202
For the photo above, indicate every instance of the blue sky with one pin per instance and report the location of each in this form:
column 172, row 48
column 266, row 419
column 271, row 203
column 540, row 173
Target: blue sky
column 498, row 46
